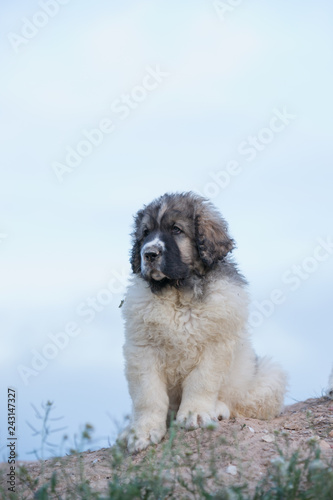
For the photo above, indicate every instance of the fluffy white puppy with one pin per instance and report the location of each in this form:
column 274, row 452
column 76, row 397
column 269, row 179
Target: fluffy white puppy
column 187, row 348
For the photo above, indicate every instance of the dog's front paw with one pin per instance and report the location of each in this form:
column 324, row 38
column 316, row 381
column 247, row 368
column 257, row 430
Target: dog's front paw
column 139, row 438
column 194, row 419
column 222, row 410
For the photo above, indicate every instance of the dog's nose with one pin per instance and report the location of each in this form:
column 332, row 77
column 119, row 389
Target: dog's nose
column 151, row 255
column 151, row 252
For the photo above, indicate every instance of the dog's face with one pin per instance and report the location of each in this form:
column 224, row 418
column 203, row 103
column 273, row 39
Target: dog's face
column 178, row 236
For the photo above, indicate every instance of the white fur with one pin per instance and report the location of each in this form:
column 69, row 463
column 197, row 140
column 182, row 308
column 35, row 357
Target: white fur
column 192, row 355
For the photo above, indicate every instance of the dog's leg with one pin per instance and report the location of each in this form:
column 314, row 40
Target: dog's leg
column 150, row 400
column 199, row 406
column 222, row 410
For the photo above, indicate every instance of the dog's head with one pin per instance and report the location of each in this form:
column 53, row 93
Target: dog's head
column 178, row 236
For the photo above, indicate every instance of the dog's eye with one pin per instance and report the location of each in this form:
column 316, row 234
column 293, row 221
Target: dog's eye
column 145, row 232
column 176, row 230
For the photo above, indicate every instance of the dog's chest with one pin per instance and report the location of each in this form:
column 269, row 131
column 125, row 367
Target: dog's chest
column 179, row 326
column 173, row 322
column 174, row 328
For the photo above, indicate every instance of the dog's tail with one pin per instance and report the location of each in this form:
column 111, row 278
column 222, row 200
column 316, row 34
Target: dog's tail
column 264, row 399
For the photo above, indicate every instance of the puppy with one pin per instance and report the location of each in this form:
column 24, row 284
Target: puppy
column 187, row 347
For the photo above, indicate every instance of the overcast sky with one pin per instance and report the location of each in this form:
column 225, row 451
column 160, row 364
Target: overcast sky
column 105, row 106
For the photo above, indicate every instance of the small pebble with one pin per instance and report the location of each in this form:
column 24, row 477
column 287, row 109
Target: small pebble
column 268, row 439
column 292, row 426
column 232, row 469
column 250, row 429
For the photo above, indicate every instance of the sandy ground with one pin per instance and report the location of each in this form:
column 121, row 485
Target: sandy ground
column 243, row 449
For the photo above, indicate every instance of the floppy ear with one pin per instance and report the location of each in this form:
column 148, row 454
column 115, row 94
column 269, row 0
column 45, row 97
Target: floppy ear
column 135, row 259
column 211, row 233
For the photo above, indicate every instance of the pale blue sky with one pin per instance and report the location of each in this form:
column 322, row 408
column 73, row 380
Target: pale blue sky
column 61, row 243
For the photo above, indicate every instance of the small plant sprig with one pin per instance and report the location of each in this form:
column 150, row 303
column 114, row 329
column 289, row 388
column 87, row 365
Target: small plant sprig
column 45, row 431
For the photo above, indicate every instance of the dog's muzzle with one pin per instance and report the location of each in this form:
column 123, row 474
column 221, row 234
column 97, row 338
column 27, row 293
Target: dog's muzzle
column 151, row 258
column 152, row 254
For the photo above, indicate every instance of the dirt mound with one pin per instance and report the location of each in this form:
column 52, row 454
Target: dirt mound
column 239, row 451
